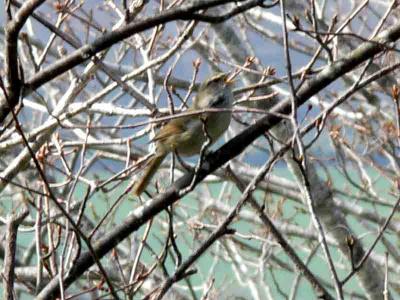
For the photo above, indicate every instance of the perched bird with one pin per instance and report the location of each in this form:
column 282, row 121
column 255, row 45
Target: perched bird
column 185, row 135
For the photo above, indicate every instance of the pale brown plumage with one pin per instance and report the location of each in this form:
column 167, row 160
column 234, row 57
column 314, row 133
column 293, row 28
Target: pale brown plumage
column 185, row 135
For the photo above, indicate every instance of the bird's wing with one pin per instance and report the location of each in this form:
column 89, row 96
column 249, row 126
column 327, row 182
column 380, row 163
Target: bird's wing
column 173, row 128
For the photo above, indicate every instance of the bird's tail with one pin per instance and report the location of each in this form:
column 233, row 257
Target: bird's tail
column 148, row 174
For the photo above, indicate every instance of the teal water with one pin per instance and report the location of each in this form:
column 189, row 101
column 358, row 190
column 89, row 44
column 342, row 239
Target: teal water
column 270, row 277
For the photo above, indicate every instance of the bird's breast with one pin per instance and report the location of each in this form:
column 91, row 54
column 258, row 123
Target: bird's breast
column 194, row 137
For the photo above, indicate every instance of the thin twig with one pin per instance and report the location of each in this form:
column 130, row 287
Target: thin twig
column 9, row 258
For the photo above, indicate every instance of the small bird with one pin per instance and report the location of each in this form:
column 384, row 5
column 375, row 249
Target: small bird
column 185, row 135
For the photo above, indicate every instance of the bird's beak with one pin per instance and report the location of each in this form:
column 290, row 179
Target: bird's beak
column 230, row 78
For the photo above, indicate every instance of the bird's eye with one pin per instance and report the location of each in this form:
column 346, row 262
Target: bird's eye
column 214, row 80
column 219, row 100
column 211, row 82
